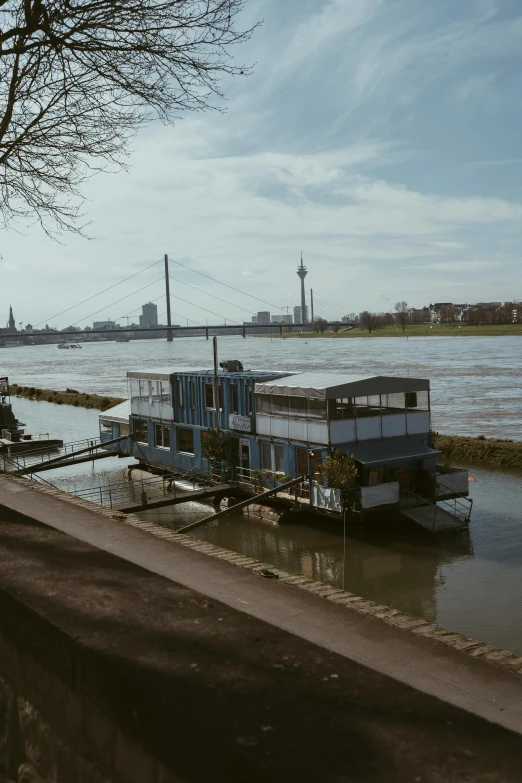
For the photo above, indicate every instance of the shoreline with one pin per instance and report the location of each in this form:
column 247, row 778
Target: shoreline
column 459, row 448
column 392, row 331
column 68, row 397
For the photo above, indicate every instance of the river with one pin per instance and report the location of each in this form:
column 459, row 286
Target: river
column 469, row 582
column 476, row 382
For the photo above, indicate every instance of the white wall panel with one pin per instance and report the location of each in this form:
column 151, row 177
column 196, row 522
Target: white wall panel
column 394, row 426
column 369, row 428
column 418, row 422
column 342, row 431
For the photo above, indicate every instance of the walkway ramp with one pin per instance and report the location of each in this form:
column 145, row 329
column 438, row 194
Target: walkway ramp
column 434, row 518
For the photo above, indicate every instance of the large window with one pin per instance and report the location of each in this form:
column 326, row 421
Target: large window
column 209, row 396
column 369, row 405
column 233, row 398
column 295, row 407
column 161, row 436
column 192, row 387
column 141, row 432
column 341, row 408
column 186, row 440
column 272, row 457
column 106, row 426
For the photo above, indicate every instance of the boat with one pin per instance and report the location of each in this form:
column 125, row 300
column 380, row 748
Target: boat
column 361, row 444
column 13, row 439
column 12, row 344
column 63, row 346
column 122, row 340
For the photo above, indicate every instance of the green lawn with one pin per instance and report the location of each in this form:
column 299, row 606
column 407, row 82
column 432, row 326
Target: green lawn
column 422, row 330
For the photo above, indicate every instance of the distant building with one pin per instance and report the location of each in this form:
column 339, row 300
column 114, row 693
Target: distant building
column 350, row 318
column 149, row 315
column 11, row 323
column 282, row 319
column 298, row 317
column 263, row 317
column 105, row 325
column 254, row 319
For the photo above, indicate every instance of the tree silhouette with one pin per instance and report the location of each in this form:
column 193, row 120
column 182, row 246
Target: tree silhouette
column 77, row 79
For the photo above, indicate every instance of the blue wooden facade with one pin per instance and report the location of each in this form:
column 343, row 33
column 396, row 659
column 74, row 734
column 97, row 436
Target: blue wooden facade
column 169, row 411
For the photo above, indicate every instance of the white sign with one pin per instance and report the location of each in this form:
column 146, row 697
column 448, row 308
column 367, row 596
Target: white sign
column 242, row 423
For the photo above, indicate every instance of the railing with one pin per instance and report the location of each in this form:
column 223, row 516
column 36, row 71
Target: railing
column 42, row 454
column 250, row 478
column 463, row 512
column 13, row 465
column 148, row 490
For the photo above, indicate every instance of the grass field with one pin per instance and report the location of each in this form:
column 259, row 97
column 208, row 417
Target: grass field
column 422, row 330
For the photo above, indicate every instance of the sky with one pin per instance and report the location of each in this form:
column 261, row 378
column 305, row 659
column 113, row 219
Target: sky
column 380, row 138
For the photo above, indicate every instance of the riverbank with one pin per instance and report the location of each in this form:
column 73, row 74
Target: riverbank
column 486, row 451
column 420, row 330
column 68, row 397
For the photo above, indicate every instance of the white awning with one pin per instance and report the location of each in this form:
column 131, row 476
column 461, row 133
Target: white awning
column 119, row 413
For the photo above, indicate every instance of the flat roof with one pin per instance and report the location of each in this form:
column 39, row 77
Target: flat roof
column 169, row 373
column 392, row 450
column 323, row 385
column 120, row 413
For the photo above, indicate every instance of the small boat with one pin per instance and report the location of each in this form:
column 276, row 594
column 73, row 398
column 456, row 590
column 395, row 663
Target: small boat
column 12, row 344
column 62, row 346
column 122, row 340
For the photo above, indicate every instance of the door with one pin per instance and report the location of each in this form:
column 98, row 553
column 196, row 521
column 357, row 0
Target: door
column 244, row 459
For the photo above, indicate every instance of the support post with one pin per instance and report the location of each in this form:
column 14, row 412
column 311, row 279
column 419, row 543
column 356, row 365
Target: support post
column 244, row 332
column 167, row 294
column 312, row 304
column 281, row 331
column 216, row 383
column 206, row 332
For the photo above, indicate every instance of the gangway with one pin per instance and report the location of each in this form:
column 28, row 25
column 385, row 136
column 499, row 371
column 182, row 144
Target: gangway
column 68, row 454
column 436, row 515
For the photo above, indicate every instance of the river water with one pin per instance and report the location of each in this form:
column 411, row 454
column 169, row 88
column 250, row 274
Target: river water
column 468, row 582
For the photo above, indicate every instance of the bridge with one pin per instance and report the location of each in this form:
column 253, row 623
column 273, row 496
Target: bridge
column 207, row 330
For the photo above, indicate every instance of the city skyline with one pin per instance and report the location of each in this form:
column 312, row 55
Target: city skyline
column 403, row 181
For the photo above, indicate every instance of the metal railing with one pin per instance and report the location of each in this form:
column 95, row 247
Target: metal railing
column 463, row 511
column 252, row 480
column 41, row 454
column 148, row 490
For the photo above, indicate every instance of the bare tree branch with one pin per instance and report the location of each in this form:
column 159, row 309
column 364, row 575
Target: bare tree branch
column 79, row 77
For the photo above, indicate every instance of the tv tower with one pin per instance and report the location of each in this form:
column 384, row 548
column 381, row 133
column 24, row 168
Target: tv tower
column 302, row 272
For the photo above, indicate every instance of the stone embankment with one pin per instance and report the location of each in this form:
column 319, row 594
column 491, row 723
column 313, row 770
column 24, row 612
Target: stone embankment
column 131, row 658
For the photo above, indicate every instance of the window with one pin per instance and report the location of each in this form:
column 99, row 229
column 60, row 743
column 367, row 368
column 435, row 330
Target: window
column 367, row 406
column 180, row 392
column 106, row 426
column 186, row 440
column 295, row 407
column 192, row 388
column 165, row 391
column 161, row 436
column 272, row 457
column 249, row 401
column 209, row 396
column 233, row 398
column 341, row 408
column 392, row 403
column 141, row 432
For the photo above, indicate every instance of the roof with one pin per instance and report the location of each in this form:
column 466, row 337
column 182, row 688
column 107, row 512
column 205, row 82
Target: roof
column 170, row 373
column 119, row 413
column 320, row 385
column 392, row 450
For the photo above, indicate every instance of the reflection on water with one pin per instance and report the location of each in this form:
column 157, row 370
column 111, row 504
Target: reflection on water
column 470, row 583
column 476, row 383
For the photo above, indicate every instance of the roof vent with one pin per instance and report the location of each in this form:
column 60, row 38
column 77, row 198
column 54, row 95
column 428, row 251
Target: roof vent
column 232, row 365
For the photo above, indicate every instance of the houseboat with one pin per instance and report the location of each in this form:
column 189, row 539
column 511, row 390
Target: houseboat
column 280, row 425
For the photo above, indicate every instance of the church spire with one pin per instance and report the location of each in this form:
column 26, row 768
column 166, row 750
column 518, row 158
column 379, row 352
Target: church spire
column 11, row 324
